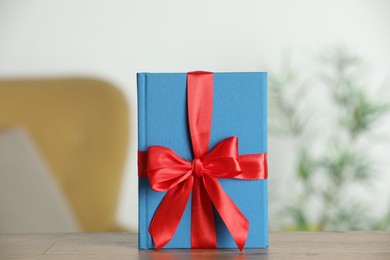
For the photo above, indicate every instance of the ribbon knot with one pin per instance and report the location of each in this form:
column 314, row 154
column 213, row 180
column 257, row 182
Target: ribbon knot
column 197, row 168
column 167, row 171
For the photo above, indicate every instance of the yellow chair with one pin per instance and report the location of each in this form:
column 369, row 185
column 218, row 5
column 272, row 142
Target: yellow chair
column 81, row 128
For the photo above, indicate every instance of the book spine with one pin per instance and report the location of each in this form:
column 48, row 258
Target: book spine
column 142, row 196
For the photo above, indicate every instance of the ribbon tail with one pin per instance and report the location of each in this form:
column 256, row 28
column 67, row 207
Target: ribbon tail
column 203, row 234
column 167, row 217
column 231, row 215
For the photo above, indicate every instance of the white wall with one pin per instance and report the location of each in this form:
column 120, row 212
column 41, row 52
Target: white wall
column 113, row 40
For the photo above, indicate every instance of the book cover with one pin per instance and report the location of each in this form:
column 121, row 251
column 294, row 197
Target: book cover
column 239, row 109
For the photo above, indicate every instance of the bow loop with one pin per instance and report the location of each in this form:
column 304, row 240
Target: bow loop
column 222, row 161
column 166, row 169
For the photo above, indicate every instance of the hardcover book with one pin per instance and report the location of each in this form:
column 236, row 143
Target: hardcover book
column 239, row 108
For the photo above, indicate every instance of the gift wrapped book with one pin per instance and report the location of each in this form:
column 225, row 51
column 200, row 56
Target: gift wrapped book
column 202, row 160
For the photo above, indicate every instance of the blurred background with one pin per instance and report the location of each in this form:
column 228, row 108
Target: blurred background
column 68, row 118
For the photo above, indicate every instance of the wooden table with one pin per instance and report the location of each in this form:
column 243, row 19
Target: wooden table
column 297, row 245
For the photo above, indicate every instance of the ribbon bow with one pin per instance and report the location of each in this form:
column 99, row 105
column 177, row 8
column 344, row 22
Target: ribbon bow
column 167, row 171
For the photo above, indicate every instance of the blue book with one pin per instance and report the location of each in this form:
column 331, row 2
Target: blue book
column 239, row 109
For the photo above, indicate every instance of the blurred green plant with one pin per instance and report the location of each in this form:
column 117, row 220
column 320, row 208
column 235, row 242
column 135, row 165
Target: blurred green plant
column 326, row 176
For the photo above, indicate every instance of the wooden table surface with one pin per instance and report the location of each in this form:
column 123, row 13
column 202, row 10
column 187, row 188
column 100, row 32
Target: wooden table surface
column 295, row 245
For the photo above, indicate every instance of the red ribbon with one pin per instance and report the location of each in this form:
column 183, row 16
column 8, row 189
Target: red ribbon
column 169, row 172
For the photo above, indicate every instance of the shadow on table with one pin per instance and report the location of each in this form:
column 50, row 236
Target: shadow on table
column 225, row 254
